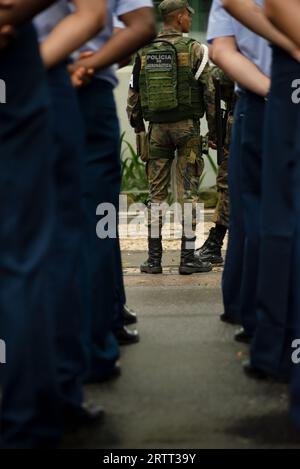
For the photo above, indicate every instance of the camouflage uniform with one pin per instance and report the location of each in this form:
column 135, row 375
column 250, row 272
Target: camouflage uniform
column 211, row 251
column 184, row 136
column 221, row 215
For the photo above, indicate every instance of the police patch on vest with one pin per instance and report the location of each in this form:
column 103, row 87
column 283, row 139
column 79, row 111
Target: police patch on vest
column 158, row 61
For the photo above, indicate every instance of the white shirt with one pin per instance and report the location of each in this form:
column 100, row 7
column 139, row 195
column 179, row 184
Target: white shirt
column 46, row 21
column 116, row 8
column 252, row 46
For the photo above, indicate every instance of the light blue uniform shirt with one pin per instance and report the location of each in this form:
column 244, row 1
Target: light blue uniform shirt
column 252, row 46
column 46, row 21
column 115, row 8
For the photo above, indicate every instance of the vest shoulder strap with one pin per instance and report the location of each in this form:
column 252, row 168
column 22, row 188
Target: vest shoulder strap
column 165, row 41
column 203, row 63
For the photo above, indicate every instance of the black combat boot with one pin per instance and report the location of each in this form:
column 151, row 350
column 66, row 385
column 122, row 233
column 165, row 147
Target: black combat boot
column 211, row 249
column 153, row 264
column 189, row 264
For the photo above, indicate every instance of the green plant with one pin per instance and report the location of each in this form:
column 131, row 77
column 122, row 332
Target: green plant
column 133, row 169
column 212, row 164
column 201, row 180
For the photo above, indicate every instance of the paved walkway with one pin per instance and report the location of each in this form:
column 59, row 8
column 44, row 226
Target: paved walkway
column 182, row 386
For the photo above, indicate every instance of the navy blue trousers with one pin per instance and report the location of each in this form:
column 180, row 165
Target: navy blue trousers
column 232, row 275
column 295, row 335
column 100, row 185
column 29, row 411
column 252, row 134
column 65, row 253
column 271, row 346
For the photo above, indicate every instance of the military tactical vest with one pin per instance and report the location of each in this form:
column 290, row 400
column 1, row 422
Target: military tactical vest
column 169, row 91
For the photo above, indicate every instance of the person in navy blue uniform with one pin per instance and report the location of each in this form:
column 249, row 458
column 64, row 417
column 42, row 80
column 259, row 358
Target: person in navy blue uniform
column 104, row 293
column 42, row 380
column 60, row 33
column 30, row 399
column 246, row 58
column 271, row 346
column 286, row 17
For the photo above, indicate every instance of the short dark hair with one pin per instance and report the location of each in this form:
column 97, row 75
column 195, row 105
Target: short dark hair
column 168, row 17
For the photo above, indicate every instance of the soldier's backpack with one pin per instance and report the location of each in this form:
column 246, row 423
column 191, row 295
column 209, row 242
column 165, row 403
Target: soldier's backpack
column 169, row 90
column 161, row 76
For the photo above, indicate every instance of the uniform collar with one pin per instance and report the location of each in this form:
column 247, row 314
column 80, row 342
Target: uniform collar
column 169, row 32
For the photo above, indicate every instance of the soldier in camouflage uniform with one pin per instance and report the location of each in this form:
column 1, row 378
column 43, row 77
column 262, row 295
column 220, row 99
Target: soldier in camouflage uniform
column 172, row 88
column 211, row 249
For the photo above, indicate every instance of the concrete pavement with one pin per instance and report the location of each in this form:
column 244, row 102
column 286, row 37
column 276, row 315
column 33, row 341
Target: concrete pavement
column 183, row 386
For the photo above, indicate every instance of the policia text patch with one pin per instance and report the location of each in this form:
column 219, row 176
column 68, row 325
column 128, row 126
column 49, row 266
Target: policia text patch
column 157, row 61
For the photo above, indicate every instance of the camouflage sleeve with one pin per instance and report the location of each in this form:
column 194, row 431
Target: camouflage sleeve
column 217, row 73
column 227, row 87
column 208, row 90
column 134, row 108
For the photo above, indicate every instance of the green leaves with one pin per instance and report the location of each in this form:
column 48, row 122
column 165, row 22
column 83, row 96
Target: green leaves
column 212, row 164
column 133, row 169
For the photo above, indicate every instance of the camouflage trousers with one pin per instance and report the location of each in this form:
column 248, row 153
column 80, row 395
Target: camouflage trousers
column 164, row 141
column 221, row 215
